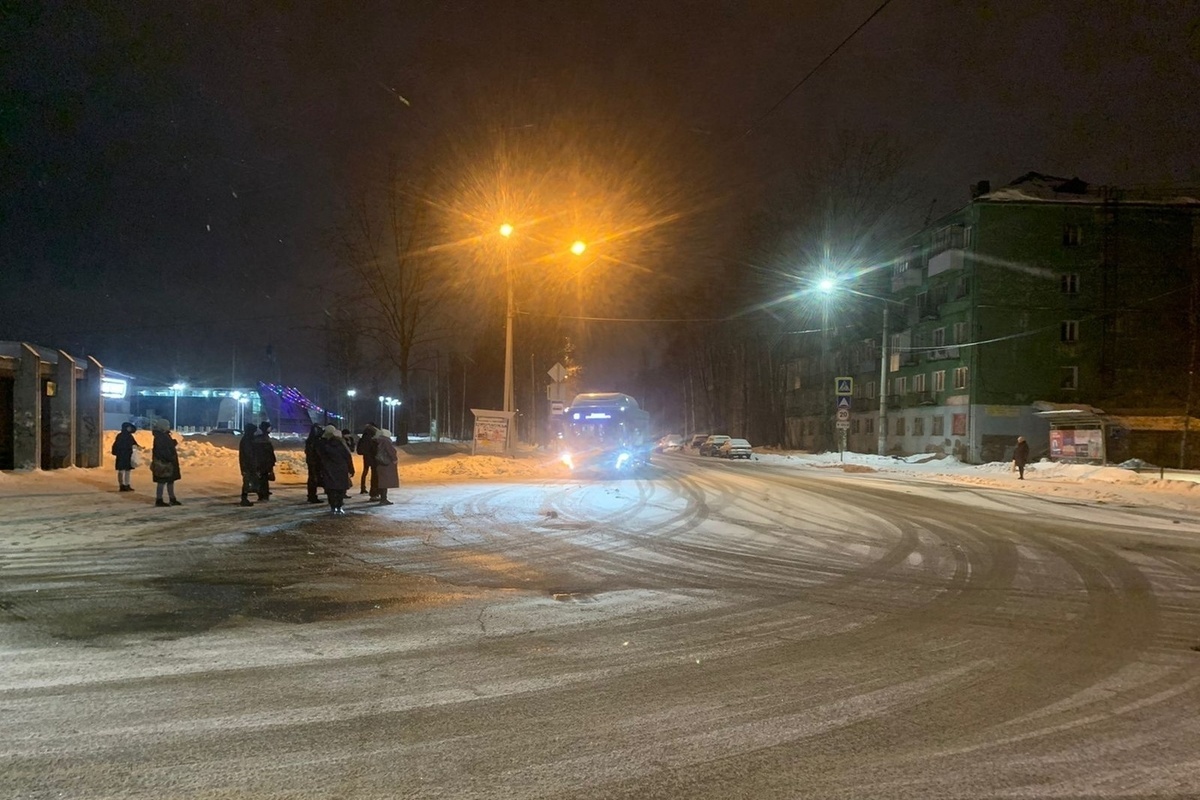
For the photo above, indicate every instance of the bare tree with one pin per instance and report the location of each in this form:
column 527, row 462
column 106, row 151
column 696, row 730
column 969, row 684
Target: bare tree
column 389, row 243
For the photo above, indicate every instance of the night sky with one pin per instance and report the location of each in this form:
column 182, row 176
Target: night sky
column 172, row 172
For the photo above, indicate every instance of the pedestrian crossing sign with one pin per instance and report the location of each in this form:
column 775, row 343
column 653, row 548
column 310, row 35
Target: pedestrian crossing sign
column 843, row 403
column 845, row 386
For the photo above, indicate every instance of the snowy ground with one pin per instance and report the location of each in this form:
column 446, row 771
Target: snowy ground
column 211, row 480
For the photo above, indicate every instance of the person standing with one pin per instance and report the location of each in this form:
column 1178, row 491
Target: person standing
column 122, row 448
column 348, row 438
column 264, row 459
column 365, row 450
column 164, row 463
column 1021, row 457
column 248, row 464
column 387, row 472
column 312, row 462
column 336, row 464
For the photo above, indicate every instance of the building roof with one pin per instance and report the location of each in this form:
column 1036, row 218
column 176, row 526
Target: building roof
column 1034, row 187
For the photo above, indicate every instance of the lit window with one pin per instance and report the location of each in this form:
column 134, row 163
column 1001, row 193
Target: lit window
column 1070, row 283
column 919, row 382
column 960, row 377
column 939, row 380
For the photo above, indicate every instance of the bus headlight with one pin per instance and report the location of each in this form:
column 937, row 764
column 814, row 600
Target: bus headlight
column 566, row 459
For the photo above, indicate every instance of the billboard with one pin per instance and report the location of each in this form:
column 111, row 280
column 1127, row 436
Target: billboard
column 1086, row 444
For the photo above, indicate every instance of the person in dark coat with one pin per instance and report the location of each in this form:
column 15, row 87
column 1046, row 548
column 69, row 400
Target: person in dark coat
column 122, row 448
column 387, row 473
column 264, row 459
column 248, row 464
column 366, row 450
column 313, row 463
column 1021, row 457
column 164, row 463
column 349, row 439
column 336, row 464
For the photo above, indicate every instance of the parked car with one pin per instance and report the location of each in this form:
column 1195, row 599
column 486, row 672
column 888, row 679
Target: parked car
column 735, row 448
column 697, row 440
column 712, row 444
column 671, row 443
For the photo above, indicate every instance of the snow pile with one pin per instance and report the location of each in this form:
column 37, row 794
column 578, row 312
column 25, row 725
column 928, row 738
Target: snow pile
column 482, row 466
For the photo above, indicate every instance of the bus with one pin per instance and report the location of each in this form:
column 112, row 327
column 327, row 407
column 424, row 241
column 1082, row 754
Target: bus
column 605, row 432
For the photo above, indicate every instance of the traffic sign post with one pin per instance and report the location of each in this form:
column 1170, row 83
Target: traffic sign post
column 843, row 389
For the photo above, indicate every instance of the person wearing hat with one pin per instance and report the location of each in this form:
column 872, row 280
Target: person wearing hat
column 264, row 459
column 386, row 469
column 336, row 466
column 1021, row 457
column 122, row 448
column 164, row 464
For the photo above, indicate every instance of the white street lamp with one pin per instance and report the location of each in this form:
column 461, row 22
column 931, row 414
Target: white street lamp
column 351, row 393
column 175, row 414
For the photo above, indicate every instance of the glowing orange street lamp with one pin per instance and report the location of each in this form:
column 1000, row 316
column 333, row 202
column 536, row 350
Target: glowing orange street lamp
column 578, row 247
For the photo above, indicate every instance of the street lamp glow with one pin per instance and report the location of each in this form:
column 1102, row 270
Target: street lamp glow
column 178, row 386
column 506, row 230
column 578, row 247
column 351, row 392
column 826, row 285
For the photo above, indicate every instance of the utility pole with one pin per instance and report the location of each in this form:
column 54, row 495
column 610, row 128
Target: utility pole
column 883, row 371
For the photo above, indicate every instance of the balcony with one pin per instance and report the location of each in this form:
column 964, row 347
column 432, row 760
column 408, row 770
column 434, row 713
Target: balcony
column 926, row 399
column 906, row 279
column 941, row 353
column 945, row 261
column 862, row 403
column 893, row 401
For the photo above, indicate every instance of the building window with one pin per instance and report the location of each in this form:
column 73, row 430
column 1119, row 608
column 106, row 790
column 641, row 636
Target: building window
column 968, row 236
column 919, row 382
column 960, row 377
column 1070, row 378
column 854, row 426
column 958, row 425
column 939, row 337
column 1069, row 331
column 939, row 426
column 871, row 389
column 939, row 380
column 900, row 426
column 1072, row 235
column 870, row 426
column 960, row 333
column 901, row 385
column 962, row 287
column 1070, row 283
column 918, row 426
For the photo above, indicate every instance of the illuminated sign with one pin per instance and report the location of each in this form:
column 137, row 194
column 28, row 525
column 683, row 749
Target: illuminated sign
column 113, row 388
column 596, row 415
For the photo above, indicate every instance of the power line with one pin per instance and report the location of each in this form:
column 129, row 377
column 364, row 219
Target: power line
column 813, row 71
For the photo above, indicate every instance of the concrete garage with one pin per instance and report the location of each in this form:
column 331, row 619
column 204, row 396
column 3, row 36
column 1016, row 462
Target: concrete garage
column 51, row 408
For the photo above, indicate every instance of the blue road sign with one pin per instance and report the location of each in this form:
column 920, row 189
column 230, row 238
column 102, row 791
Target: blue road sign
column 843, row 402
column 845, row 386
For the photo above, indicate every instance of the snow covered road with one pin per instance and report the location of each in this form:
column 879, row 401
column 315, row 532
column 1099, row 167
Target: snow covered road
column 714, row 630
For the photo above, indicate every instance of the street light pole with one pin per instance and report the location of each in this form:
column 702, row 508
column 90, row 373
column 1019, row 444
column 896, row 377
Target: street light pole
column 175, row 414
column 883, row 371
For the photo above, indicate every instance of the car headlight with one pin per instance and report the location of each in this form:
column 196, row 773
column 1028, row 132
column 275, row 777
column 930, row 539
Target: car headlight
column 566, row 459
column 622, row 460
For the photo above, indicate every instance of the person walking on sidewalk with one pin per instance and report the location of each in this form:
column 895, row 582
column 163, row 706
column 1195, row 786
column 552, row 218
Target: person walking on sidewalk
column 164, row 464
column 1021, row 457
column 336, row 464
column 386, row 469
column 248, row 464
column 122, row 448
